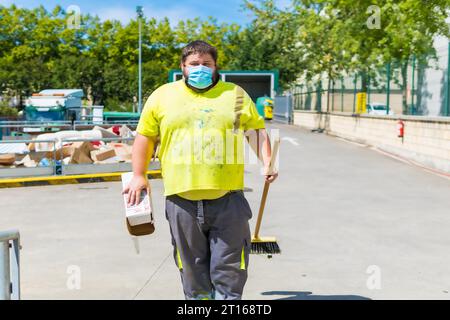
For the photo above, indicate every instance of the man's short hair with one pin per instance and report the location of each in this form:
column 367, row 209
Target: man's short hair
column 198, row 46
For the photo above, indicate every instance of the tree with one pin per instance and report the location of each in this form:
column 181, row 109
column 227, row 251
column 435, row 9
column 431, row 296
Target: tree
column 267, row 43
column 410, row 30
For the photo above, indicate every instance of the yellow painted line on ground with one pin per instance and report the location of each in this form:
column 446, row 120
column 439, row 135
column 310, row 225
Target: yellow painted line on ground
column 12, row 185
column 59, row 182
column 112, row 178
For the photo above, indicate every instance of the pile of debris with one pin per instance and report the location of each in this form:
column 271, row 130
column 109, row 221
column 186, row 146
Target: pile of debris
column 95, row 151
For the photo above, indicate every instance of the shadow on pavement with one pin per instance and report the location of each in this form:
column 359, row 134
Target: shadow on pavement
column 305, row 295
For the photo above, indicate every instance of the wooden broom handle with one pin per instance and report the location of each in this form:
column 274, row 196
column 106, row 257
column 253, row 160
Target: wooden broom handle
column 273, row 157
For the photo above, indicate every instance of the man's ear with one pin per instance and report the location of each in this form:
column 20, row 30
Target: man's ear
column 182, row 69
column 216, row 73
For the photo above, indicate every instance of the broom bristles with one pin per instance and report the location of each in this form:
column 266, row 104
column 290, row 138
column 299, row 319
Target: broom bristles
column 261, row 247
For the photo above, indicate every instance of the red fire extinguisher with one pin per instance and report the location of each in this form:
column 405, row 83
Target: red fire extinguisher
column 400, row 128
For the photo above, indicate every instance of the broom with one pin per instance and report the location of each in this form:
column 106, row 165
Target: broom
column 265, row 245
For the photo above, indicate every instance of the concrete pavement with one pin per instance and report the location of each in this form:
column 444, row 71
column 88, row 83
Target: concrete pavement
column 352, row 224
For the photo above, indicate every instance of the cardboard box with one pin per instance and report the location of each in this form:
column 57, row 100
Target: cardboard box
column 60, row 153
column 142, row 213
column 81, row 152
column 7, row 159
column 123, row 151
column 27, row 162
column 103, row 154
column 37, row 156
column 31, row 146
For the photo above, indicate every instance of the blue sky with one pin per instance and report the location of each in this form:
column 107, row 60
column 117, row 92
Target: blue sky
column 225, row 11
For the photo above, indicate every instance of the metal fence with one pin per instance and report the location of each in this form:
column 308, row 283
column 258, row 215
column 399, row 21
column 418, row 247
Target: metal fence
column 409, row 88
column 36, row 171
column 20, row 127
column 57, row 167
column 9, row 265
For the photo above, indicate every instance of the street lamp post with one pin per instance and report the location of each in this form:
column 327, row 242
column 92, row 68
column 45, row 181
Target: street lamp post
column 140, row 14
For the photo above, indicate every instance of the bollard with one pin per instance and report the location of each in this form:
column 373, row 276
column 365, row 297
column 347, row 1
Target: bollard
column 9, row 265
column 5, row 273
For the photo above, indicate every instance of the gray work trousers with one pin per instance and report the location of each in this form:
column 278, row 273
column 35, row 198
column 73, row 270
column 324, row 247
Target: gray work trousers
column 211, row 240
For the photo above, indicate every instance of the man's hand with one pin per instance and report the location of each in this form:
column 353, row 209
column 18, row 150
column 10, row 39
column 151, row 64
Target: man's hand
column 134, row 189
column 270, row 176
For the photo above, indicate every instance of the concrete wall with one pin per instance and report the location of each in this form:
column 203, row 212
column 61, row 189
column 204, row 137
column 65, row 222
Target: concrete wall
column 426, row 139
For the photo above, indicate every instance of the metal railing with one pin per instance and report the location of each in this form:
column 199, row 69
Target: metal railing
column 26, row 123
column 38, row 170
column 104, row 123
column 10, row 265
column 27, row 127
column 37, row 127
column 57, row 167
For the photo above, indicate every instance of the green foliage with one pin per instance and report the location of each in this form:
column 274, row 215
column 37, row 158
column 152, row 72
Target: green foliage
column 38, row 51
column 309, row 39
column 267, row 43
column 7, row 111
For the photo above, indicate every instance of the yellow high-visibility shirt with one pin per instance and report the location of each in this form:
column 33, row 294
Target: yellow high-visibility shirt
column 203, row 194
column 201, row 155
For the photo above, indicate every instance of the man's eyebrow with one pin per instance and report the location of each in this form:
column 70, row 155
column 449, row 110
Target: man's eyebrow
column 204, row 61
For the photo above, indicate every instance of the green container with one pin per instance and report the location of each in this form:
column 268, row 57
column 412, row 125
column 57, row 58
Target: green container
column 260, row 104
column 120, row 116
column 44, row 113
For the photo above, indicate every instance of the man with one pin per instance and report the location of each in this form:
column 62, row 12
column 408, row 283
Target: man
column 200, row 121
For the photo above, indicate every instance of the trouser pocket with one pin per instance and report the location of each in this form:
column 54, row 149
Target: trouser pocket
column 245, row 206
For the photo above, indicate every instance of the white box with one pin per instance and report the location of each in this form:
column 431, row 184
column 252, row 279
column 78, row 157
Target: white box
column 143, row 211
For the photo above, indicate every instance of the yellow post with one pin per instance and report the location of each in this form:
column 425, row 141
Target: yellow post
column 361, row 100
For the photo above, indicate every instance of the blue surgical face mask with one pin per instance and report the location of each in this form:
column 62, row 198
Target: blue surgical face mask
column 200, row 76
